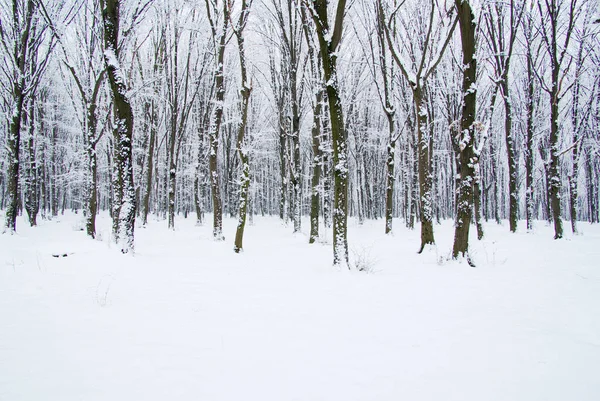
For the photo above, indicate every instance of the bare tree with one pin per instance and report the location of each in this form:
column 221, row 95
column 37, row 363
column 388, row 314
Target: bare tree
column 242, row 145
column 219, row 37
column 466, row 135
column 501, row 37
column 317, row 127
column 579, row 115
column 532, row 56
column 556, row 33
column 85, row 66
column 124, row 200
column 151, row 114
column 184, row 71
column 288, row 23
column 376, row 54
column 329, row 40
column 424, row 58
column 23, row 40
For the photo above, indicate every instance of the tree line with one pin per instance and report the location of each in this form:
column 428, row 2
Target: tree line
column 471, row 110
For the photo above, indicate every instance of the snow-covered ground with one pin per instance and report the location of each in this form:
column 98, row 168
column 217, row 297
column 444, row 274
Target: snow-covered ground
column 187, row 319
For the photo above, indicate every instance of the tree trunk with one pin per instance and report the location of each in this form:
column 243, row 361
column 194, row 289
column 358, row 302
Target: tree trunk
column 18, row 99
column 92, row 191
column 592, row 188
column 215, row 128
column 425, row 167
column 477, row 201
column 575, row 124
column 554, row 168
column 150, row 164
column 282, row 169
column 390, row 175
column 468, row 158
column 242, row 145
column 198, row 180
column 31, row 189
column 124, row 206
column 328, row 46
column 316, row 171
column 513, row 193
column 529, row 143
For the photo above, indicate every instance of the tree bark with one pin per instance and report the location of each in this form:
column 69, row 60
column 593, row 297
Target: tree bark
column 18, row 99
column 425, row 169
column 242, row 145
column 220, row 42
column 529, row 155
column 468, row 158
column 329, row 46
column 124, row 206
column 31, row 167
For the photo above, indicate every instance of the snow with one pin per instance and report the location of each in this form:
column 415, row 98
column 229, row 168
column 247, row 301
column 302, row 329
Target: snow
column 187, row 319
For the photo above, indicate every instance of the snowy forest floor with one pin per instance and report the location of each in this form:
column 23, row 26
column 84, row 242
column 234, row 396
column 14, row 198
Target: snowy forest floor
column 187, row 319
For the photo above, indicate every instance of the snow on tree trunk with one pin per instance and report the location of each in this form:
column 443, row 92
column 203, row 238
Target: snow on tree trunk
column 328, row 42
column 220, row 38
column 22, row 22
column 124, row 206
column 466, row 134
column 242, row 139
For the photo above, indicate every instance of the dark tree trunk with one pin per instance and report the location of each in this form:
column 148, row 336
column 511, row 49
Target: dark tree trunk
column 316, row 168
column 554, row 168
column 425, row 169
column 468, row 158
column 511, row 151
column 328, row 47
column 124, row 206
column 216, row 126
column 282, row 169
column 529, row 143
column 153, row 116
column 31, row 168
column 242, row 147
column 173, row 125
column 592, row 188
column 13, row 140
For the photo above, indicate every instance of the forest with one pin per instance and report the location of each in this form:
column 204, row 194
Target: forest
column 353, row 200
column 424, row 111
